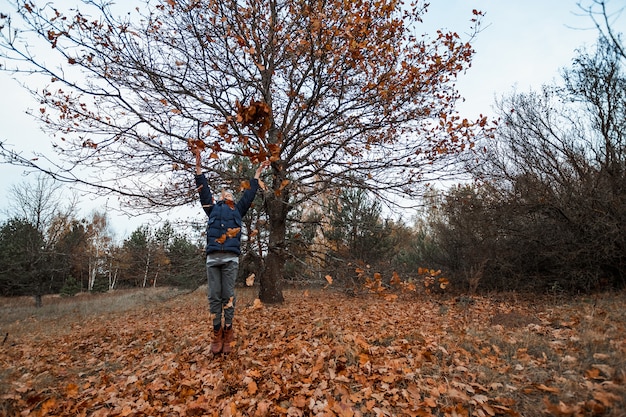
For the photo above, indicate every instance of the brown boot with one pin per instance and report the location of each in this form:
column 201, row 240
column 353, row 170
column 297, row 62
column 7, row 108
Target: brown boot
column 229, row 337
column 218, row 341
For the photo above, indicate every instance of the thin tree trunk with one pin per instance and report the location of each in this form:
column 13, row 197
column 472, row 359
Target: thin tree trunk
column 92, row 275
column 145, row 274
column 156, row 274
column 112, row 276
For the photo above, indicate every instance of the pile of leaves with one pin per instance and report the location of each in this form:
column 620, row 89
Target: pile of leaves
column 323, row 353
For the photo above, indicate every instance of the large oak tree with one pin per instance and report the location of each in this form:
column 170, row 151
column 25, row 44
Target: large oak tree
column 335, row 93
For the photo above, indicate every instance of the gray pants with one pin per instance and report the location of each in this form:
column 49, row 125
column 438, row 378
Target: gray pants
column 221, row 274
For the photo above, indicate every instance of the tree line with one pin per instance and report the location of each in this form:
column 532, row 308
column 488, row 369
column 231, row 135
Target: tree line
column 70, row 255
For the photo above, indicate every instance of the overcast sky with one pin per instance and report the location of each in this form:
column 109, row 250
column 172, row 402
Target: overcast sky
column 523, row 44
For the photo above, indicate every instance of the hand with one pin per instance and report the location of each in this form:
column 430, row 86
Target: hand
column 260, row 169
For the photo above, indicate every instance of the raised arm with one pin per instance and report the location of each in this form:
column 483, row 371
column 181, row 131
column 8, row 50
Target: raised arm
column 197, row 152
column 260, row 169
column 248, row 196
column 206, row 198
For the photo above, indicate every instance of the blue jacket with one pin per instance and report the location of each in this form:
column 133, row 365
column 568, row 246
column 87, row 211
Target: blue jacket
column 222, row 217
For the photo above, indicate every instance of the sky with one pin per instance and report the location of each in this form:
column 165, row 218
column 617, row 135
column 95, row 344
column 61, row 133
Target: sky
column 523, row 44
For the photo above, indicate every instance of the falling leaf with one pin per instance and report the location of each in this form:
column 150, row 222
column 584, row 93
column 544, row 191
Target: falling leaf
column 233, row 232
column 284, row 183
column 257, row 115
column 195, row 145
column 395, row 279
column 250, row 280
column 329, row 279
column 274, row 149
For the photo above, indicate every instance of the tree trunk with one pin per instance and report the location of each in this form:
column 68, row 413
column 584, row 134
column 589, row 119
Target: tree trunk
column 270, row 291
column 271, row 277
column 145, row 274
column 92, row 275
column 156, row 275
column 112, row 278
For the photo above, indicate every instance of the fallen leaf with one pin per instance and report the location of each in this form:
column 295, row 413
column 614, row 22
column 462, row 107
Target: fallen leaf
column 250, row 280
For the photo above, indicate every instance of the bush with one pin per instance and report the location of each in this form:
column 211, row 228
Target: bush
column 70, row 288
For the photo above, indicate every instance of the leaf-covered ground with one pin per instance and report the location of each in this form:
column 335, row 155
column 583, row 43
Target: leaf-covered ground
column 323, row 353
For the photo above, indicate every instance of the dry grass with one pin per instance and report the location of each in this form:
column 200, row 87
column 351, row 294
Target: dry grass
column 19, row 315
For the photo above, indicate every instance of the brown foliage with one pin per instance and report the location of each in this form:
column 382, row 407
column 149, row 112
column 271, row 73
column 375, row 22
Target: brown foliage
column 323, row 354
